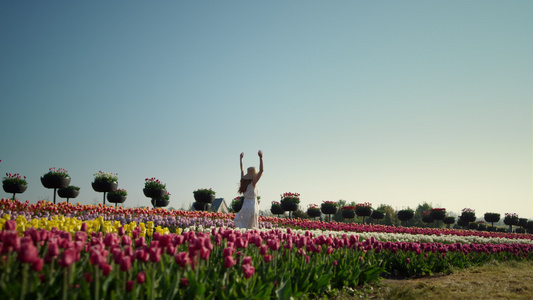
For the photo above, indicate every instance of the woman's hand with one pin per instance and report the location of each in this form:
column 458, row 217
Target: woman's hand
column 242, row 155
column 260, row 153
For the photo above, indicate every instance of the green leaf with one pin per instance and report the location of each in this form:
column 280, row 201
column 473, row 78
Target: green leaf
column 284, row 291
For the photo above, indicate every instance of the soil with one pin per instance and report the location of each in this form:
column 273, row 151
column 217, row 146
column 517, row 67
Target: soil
column 510, row 280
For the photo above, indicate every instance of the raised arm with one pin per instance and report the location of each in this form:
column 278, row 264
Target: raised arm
column 260, row 173
column 242, row 170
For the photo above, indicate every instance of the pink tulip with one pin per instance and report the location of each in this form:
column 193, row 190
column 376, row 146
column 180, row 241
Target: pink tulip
column 218, row 239
column 241, row 243
column 141, row 277
column 117, row 255
column 28, row 253
column 11, row 242
column 171, row 249
column 229, row 261
column 68, row 257
column 182, row 259
column 10, row 225
column 263, row 250
column 204, row 253
column 248, row 270
column 273, row 244
column 128, row 250
column 106, row 269
column 37, row 265
column 228, row 251
column 140, row 242
column 81, row 236
column 95, row 258
column 155, row 254
column 129, row 285
column 267, row 258
column 247, row 260
column 165, row 240
column 125, row 264
column 125, row 240
column 184, row 282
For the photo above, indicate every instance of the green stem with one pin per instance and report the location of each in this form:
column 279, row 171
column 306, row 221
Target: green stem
column 24, row 281
column 124, row 283
column 153, row 285
column 65, row 283
column 96, row 283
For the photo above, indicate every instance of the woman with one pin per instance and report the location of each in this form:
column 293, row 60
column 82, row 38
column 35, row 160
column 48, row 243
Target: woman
column 248, row 216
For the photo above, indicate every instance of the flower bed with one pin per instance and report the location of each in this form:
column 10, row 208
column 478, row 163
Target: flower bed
column 85, row 251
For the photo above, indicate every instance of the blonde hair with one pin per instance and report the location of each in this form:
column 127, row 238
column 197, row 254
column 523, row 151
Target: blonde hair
column 244, row 184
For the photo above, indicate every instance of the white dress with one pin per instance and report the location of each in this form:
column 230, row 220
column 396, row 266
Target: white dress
column 248, row 216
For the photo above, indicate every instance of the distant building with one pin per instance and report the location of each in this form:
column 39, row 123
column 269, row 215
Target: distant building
column 219, row 205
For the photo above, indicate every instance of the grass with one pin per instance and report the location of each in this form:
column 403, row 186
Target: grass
column 497, row 280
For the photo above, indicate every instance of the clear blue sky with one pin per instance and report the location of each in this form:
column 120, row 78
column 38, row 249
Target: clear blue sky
column 388, row 102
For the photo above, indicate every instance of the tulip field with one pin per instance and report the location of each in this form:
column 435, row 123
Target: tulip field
column 73, row 251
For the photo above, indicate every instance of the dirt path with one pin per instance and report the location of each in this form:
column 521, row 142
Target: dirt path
column 494, row 281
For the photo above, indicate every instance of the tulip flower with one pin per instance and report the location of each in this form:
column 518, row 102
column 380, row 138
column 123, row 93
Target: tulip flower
column 141, row 277
column 184, row 282
column 248, row 270
column 125, row 264
column 28, row 253
column 229, row 261
column 106, row 269
column 182, row 259
column 88, row 277
column 129, row 285
column 247, row 260
column 68, row 257
column 37, row 265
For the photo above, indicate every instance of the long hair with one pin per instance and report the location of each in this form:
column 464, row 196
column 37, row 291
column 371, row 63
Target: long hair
column 244, row 184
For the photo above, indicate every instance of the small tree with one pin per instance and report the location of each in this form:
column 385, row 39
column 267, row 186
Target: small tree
column 468, row 215
column 378, row 215
column 405, row 215
column 492, row 218
column 510, row 220
column 522, row 222
column 448, row 221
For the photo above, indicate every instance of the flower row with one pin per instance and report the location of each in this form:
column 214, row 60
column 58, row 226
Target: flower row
column 182, row 219
column 220, row 263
